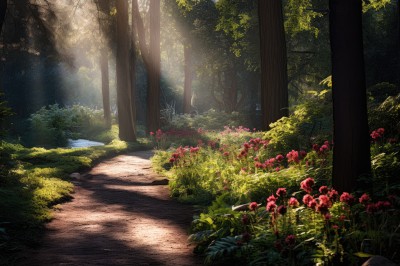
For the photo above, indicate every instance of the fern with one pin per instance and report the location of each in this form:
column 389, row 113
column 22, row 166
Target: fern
column 225, row 247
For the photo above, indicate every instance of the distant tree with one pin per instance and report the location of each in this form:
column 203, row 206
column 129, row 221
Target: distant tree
column 151, row 56
column 125, row 104
column 274, row 80
column 3, row 9
column 351, row 152
column 103, row 18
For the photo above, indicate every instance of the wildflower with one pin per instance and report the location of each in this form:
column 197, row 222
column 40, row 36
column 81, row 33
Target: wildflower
column 324, row 200
column 381, row 131
column 271, row 198
column 333, row 194
column 290, row 240
column 323, row 189
column 307, row 184
column 253, row 206
column 281, row 192
column 282, row 210
column 303, row 154
column 293, row 202
column 151, row 133
column 279, row 157
column 277, row 169
column 258, row 165
column 271, row 206
column 172, row 160
column 381, row 205
column 293, row 156
column 312, row 204
column 315, row 147
column 371, row 208
column 194, row 149
column 323, row 149
column 307, row 198
column 245, row 219
column 327, row 216
column 347, row 198
column 364, row 199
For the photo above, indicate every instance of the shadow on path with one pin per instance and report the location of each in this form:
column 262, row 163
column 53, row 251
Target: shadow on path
column 118, row 217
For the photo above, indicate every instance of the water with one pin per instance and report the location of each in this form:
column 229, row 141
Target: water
column 82, row 143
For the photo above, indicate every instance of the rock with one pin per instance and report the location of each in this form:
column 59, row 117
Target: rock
column 378, row 261
column 75, row 176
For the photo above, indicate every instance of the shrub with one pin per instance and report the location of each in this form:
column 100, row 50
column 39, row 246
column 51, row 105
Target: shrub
column 52, row 126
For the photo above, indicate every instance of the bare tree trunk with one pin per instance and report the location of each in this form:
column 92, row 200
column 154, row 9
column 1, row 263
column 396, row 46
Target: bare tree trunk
column 105, row 87
column 351, row 153
column 274, row 84
column 187, row 89
column 124, row 86
column 153, row 94
column 3, row 9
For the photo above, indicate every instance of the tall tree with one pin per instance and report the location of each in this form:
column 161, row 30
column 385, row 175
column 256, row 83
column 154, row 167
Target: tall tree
column 151, row 56
column 351, row 153
column 104, row 11
column 125, row 104
column 3, row 9
column 274, row 87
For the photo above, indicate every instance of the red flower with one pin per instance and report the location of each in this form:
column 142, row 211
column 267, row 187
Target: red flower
column 327, row 216
column 282, row 210
column 152, row 133
column 293, row 202
column 307, row 198
column 333, row 194
column 172, row 160
column 381, row 131
column 315, row 147
column 364, row 199
column 307, row 184
column 323, row 149
column 293, row 156
column 303, row 154
column 281, row 192
column 323, row 189
column 371, row 208
column 279, row 157
column 290, row 240
column 312, row 204
column 271, row 198
column 253, row 206
column 271, row 206
column 226, row 154
column 347, row 198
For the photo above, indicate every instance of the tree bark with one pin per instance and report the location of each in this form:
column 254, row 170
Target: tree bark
column 105, row 86
column 153, row 93
column 187, row 89
column 104, row 10
column 3, row 10
column 351, row 153
column 124, row 93
column 274, row 84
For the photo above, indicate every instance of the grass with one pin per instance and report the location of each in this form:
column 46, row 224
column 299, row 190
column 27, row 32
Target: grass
column 34, row 181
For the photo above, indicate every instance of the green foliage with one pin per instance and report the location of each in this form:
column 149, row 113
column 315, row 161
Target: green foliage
column 386, row 114
column 210, row 120
column 299, row 17
column 52, row 126
column 310, row 122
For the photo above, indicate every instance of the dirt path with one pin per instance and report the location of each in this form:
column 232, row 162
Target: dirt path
column 118, row 216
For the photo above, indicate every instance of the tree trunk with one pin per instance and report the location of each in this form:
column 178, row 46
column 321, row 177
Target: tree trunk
column 105, row 87
column 351, row 153
column 187, row 89
column 153, row 93
column 3, row 9
column 274, row 84
column 104, row 7
column 124, row 93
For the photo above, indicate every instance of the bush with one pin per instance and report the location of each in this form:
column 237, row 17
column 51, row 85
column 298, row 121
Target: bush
column 52, row 126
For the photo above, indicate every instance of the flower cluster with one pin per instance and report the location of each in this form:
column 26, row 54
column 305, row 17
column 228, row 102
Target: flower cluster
column 180, row 152
column 377, row 134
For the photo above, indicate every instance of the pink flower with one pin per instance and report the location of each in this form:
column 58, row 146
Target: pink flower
column 315, row 147
column 293, row 202
column 151, row 133
column 253, row 206
column 327, row 216
column 381, row 131
column 307, row 198
column 293, row 156
column 281, row 192
column 323, row 189
column 323, row 149
column 333, row 194
column 279, row 157
column 307, row 184
column 347, row 198
column 271, row 198
column 312, row 204
column 271, row 206
column 364, row 199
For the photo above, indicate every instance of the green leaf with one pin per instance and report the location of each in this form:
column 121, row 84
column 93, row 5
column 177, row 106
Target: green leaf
column 362, row 255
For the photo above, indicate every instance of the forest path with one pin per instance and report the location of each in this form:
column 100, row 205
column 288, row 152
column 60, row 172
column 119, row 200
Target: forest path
column 119, row 216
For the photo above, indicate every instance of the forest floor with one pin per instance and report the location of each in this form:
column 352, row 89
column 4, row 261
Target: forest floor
column 121, row 214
